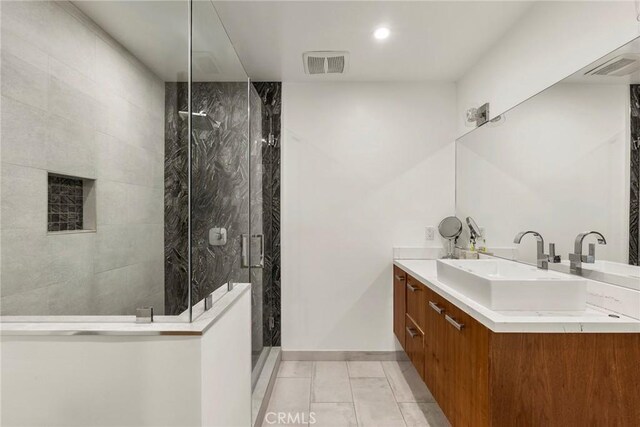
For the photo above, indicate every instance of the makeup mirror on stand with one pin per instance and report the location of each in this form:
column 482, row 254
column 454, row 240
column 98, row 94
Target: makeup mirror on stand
column 450, row 228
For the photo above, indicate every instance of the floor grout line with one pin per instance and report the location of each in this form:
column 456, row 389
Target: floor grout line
column 395, row 398
column 313, row 370
column 353, row 399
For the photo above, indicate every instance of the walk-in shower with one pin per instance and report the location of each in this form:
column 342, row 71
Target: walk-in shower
column 119, row 154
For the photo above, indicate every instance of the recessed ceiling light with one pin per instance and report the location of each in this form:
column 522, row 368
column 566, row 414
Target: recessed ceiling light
column 381, row 33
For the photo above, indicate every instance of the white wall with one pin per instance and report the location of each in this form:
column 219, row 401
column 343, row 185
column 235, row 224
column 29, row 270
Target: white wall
column 365, row 167
column 74, row 102
column 558, row 165
column 551, row 41
column 108, row 381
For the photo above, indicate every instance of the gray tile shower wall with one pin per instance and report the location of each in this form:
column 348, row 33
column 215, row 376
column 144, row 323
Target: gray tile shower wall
column 634, row 197
column 271, row 94
column 76, row 103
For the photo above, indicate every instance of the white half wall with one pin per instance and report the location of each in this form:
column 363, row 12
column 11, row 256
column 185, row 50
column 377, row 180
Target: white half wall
column 89, row 380
column 553, row 40
column 365, row 167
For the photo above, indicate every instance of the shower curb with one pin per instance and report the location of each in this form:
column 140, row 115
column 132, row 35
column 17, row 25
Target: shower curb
column 264, row 386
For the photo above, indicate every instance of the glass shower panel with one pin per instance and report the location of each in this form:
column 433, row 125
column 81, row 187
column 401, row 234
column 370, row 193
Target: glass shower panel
column 227, row 240
column 259, row 343
column 87, row 225
column 220, row 177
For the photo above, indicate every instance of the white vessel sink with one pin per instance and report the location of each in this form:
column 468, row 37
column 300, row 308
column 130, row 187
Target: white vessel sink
column 611, row 272
column 507, row 285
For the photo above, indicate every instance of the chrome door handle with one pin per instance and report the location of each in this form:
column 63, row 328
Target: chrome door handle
column 245, row 257
column 260, row 263
column 412, row 332
column 455, row 324
column 411, row 288
column 435, row 306
column 399, row 278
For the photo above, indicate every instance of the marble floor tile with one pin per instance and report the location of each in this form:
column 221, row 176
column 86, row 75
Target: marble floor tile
column 371, row 390
column 289, row 403
column 379, row 414
column 345, row 394
column 330, row 383
column 295, row 369
column 365, row 369
column 406, row 383
column 423, row 415
column 333, row 415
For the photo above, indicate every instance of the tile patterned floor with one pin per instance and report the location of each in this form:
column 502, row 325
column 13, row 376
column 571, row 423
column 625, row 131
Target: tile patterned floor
column 343, row 394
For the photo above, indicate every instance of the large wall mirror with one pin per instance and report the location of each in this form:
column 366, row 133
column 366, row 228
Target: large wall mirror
column 562, row 163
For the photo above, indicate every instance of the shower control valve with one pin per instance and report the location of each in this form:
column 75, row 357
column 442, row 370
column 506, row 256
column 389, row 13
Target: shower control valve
column 217, row 236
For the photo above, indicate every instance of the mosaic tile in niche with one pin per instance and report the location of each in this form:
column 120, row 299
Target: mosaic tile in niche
column 65, row 204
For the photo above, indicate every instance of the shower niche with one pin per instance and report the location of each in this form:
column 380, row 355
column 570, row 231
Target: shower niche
column 71, row 204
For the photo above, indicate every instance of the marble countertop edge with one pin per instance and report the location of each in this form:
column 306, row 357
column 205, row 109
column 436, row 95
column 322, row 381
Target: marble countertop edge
column 592, row 320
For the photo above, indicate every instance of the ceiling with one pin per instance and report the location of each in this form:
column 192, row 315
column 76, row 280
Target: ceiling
column 429, row 40
column 157, row 33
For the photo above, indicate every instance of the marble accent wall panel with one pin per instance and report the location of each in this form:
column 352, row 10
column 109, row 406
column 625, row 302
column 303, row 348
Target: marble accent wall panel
column 176, row 202
column 634, row 206
column 270, row 92
column 221, row 198
column 220, row 190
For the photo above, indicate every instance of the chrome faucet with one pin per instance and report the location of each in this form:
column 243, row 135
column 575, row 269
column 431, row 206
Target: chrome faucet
column 576, row 258
column 542, row 258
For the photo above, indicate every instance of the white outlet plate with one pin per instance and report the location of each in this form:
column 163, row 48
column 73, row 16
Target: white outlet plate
column 430, row 233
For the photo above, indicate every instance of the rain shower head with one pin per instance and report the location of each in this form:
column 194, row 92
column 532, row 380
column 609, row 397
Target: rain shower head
column 200, row 121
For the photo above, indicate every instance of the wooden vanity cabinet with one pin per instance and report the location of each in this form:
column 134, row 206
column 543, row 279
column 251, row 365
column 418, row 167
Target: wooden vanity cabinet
column 465, row 352
column 414, row 345
column 416, row 306
column 399, row 304
column 482, row 378
column 456, row 363
column 434, row 345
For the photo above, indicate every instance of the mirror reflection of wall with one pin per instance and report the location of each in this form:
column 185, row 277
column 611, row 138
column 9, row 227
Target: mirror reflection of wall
column 561, row 163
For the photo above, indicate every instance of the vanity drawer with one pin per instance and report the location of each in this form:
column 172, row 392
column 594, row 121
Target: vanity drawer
column 414, row 345
column 399, row 303
column 416, row 302
column 433, row 345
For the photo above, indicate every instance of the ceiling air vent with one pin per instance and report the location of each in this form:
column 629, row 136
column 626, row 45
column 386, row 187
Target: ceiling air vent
column 622, row 65
column 325, row 62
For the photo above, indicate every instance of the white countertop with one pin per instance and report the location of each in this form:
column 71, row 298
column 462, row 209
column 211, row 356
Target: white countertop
column 593, row 319
column 125, row 325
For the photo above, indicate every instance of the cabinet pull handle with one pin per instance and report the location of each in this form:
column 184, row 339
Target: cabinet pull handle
column 411, row 288
column 455, row 324
column 412, row 332
column 435, row 306
column 399, row 278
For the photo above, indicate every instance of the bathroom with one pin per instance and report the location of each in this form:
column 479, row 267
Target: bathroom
column 319, row 213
